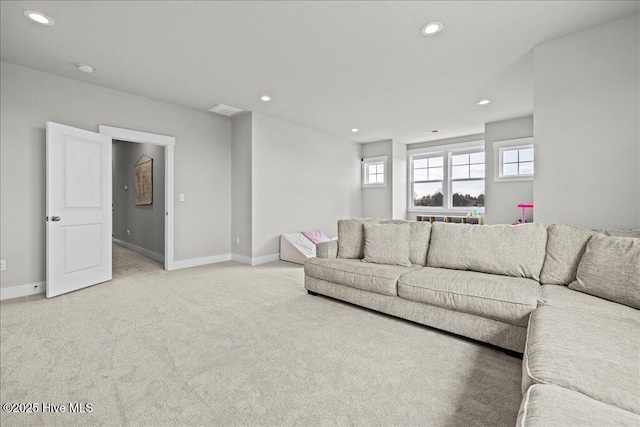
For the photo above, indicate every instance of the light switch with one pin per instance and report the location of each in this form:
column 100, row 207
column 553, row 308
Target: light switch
column 126, row 187
column 181, row 197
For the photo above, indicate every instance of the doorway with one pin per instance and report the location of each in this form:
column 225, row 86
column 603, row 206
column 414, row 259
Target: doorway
column 128, row 144
column 138, row 201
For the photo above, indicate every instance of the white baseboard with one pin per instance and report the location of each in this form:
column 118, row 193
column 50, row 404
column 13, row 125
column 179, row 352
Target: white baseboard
column 142, row 251
column 194, row 262
column 265, row 259
column 241, row 259
column 257, row 260
column 22, row 290
column 38, row 288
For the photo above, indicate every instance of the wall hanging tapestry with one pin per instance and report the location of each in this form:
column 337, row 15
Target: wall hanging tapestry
column 143, row 172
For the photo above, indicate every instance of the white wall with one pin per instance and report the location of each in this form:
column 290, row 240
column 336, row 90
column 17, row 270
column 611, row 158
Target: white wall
column 502, row 198
column 303, row 179
column 144, row 222
column 399, row 178
column 587, row 127
column 30, row 98
column 241, row 182
column 378, row 201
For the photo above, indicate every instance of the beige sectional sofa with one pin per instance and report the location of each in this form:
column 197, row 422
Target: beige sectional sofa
column 545, row 292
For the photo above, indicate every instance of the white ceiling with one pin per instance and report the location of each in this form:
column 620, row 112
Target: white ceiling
column 328, row 65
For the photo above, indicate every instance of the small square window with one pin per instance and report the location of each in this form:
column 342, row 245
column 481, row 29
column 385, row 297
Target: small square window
column 514, row 160
column 373, row 172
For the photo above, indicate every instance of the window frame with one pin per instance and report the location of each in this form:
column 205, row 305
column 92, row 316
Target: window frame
column 500, row 147
column 446, row 151
column 366, row 162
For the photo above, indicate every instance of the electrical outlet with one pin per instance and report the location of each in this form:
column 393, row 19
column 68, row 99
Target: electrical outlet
column 181, row 197
column 3, row 265
column 237, row 240
column 128, row 232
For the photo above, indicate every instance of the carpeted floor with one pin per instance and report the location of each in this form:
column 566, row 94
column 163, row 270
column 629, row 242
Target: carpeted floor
column 228, row 344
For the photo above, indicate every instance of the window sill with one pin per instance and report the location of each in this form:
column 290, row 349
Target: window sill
column 443, row 212
column 513, row 178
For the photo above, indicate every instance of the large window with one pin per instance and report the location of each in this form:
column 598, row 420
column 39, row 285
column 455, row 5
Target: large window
column 467, row 179
column 428, row 173
column 513, row 160
column 447, row 177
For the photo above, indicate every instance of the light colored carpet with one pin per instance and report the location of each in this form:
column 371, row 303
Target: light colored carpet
column 229, row 344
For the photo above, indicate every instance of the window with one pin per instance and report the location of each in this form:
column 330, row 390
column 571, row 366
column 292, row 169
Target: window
column 467, row 179
column 513, row 160
column 428, row 173
column 374, row 172
column 447, row 177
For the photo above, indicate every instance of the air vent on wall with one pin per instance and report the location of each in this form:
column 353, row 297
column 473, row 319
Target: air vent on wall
column 225, row 110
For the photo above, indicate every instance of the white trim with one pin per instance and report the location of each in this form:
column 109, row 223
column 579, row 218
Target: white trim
column 512, row 142
column 195, row 262
column 142, row 251
column 499, row 147
column 169, row 143
column 265, row 259
column 22, row 290
column 136, row 136
column 447, row 147
column 374, row 161
column 241, row 259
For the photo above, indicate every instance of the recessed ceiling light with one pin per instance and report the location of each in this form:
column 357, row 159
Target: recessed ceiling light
column 265, row 98
column 85, row 68
column 434, row 131
column 432, row 28
column 38, row 17
column 354, row 130
column 484, row 101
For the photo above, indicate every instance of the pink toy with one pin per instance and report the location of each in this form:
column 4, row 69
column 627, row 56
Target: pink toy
column 523, row 208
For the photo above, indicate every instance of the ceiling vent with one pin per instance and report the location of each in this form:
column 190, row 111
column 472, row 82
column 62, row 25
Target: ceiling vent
column 225, row 110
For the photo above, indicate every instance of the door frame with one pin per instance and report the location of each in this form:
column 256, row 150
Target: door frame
column 168, row 142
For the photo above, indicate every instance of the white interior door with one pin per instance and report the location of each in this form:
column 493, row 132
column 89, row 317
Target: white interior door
column 78, row 208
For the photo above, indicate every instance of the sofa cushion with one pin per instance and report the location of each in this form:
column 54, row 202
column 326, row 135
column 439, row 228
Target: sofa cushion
column 420, row 236
column 508, row 299
column 387, row 244
column 623, row 233
column 327, row 249
column 509, row 250
column 610, row 268
column 378, row 278
column 351, row 237
column 591, row 354
column 565, row 246
column 562, row 296
column 549, row 405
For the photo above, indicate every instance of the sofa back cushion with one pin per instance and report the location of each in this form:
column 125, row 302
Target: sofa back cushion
column 387, row 244
column 623, row 233
column 351, row 237
column 516, row 251
column 419, row 240
column 610, row 269
column 565, row 246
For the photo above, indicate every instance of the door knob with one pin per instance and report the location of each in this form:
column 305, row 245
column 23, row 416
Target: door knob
column 55, row 218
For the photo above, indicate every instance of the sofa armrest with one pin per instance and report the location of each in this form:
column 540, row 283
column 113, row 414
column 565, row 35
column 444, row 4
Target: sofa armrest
column 327, row 249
